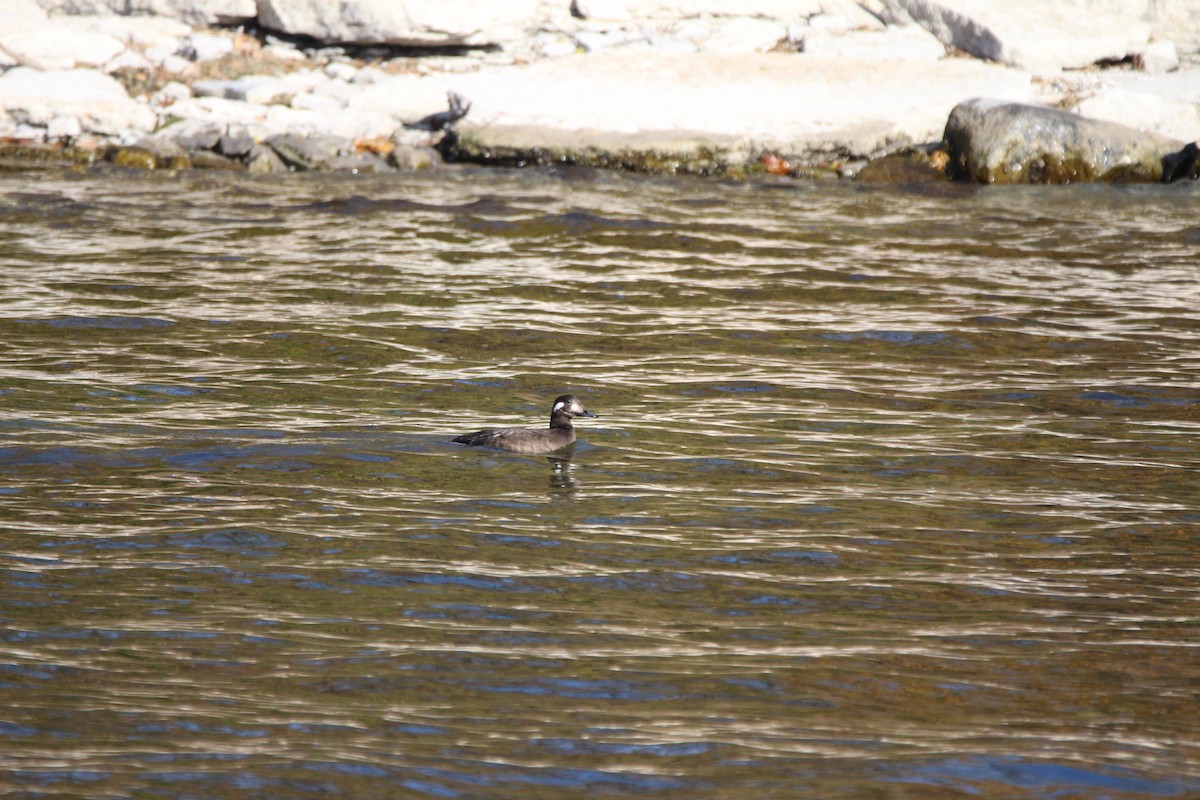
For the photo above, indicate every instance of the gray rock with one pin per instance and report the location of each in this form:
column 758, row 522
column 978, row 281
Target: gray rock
column 905, row 167
column 428, row 23
column 361, row 163
column 992, row 141
column 309, row 152
column 205, row 139
column 413, row 157
column 263, row 160
column 1030, row 34
column 235, row 145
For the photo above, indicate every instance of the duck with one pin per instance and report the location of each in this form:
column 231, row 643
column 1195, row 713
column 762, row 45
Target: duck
column 534, row 440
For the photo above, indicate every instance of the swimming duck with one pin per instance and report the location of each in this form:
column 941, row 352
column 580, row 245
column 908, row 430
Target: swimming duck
column 534, row 440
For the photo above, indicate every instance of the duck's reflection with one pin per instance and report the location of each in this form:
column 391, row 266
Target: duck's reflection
column 562, row 479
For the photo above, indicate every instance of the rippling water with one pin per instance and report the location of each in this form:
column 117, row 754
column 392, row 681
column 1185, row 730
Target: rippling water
column 892, row 494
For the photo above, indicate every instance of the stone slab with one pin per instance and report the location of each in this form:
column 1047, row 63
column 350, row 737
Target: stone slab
column 802, row 107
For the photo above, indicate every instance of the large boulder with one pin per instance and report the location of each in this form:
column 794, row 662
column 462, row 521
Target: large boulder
column 991, row 141
column 1031, row 34
column 412, row 23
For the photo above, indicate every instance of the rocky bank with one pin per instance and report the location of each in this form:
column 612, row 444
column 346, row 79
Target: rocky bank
column 1024, row 91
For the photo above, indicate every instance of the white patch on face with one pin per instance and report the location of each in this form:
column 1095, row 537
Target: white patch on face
column 559, row 406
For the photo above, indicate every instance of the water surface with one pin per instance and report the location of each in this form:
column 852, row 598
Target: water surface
column 893, row 494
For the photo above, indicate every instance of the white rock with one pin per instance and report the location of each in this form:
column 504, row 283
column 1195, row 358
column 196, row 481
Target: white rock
column 340, row 70
column 674, row 44
column 592, row 41
column 284, row 52
column 50, row 46
column 399, row 22
column 1159, row 57
column 317, row 102
column 194, row 12
column 554, row 45
column 1165, row 104
column 368, row 75
column 64, row 126
column 129, row 59
column 176, row 65
column 6, row 60
column 846, row 15
column 1145, row 112
column 96, row 100
column 18, row 15
column 780, row 10
column 171, row 94
column 745, row 35
column 774, row 101
column 261, row 121
column 140, row 31
column 339, row 91
column 1030, row 34
column 23, row 131
column 1176, row 20
column 206, row 47
column 907, row 43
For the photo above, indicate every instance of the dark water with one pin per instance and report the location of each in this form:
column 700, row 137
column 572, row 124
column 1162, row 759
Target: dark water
column 892, row 494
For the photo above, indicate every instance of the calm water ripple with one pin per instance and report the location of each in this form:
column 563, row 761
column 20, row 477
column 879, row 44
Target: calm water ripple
column 892, row 494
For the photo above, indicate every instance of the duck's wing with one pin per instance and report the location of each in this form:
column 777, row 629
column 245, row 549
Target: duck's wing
column 479, row 437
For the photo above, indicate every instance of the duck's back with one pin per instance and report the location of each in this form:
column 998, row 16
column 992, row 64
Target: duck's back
column 520, row 440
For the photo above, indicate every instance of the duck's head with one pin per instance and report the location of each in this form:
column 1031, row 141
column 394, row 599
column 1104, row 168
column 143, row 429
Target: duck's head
column 568, row 405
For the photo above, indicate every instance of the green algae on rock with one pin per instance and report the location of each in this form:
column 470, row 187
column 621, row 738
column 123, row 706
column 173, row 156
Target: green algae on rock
column 908, row 166
column 990, row 141
column 21, row 155
column 653, row 153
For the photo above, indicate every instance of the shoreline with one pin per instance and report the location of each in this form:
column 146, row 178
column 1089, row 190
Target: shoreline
column 822, row 90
